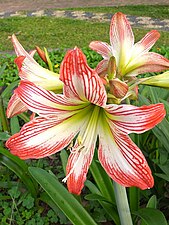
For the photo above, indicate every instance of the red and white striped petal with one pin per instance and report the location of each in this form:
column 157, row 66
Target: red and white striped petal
column 81, row 157
column 101, row 68
column 77, row 167
column 83, row 81
column 102, row 48
column 121, row 39
column 32, row 53
column 15, row 106
column 122, row 159
column 145, row 44
column 45, row 102
column 30, row 70
column 147, row 62
column 42, row 137
column 19, row 50
column 132, row 119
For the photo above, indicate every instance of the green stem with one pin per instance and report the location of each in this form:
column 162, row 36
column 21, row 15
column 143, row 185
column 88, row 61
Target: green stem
column 3, row 117
column 122, row 204
column 128, row 101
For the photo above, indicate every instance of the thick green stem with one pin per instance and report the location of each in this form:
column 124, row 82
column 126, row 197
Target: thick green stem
column 3, row 117
column 122, row 204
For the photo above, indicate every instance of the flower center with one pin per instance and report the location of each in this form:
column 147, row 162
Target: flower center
column 85, row 141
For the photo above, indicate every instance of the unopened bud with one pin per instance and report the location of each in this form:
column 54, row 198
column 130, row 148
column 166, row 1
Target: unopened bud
column 118, row 88
column 41, row 53
column 161, row 80
column 48, row 60
column 111, row 70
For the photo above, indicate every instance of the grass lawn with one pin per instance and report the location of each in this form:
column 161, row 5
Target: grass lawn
column 54, row 33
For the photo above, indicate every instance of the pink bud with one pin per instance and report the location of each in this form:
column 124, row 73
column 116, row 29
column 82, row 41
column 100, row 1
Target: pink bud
column 118, row 88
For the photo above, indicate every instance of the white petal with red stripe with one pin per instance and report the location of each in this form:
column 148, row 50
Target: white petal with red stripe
column 122, row 159
column 78, row 165
column 19, row 50
column 147, row 62
column 101, row 68
column 42, row 137
column 121, row 39
column 45, row 102
column 15, row 106
column 102, row 48
column 132, row 119
column 30, row 70
column 145, row 44
column 84, row 82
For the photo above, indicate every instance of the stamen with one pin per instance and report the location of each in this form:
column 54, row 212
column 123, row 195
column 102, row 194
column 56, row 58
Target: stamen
column 77, row 149
column 79, row 140
column 70, row 146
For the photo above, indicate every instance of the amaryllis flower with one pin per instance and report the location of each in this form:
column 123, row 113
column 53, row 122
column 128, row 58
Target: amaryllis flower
column 131, row 59
column 30, row 70
column 82, row 113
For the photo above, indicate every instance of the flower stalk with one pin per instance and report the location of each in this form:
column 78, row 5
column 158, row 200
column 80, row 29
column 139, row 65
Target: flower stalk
column 122, row 204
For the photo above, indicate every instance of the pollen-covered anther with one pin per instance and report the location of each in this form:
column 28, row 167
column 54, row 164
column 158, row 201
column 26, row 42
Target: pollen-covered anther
column 77, row 147
column 118, row 88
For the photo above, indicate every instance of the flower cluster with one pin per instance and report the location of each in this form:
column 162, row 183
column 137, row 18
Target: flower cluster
column 86, row 111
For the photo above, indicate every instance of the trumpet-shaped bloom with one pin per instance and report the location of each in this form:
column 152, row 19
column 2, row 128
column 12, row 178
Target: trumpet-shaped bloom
column 81, row 112
column 131, row 59
column 30, row 70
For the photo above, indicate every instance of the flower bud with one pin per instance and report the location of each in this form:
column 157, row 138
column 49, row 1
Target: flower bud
column 118, row 88
column 111, row 70
column 41, row 53
column 161, row 80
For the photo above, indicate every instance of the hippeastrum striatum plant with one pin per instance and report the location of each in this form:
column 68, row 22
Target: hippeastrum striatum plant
column 82, row 112
column 30, row 70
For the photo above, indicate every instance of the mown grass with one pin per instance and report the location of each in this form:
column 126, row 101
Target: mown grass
column 155, row 11
column 54, row 33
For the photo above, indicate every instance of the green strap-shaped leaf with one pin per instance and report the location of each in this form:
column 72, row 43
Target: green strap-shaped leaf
column 64, row 158
column 109, row 207
column 7, row 92
column 20, row 168
column 103, row 181
column 15, row 159
column 151, row 216
column 152, row 203
column 14, row 124
column 61, row 197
